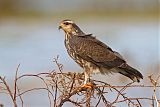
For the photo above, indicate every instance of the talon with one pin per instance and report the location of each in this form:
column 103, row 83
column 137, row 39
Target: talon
column 88, row 85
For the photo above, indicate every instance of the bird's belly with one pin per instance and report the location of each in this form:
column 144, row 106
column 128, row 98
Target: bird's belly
column 92, row 68
column 74, row 56
column 88, row 66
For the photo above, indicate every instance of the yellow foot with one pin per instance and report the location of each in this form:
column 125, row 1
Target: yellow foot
column 89, row 85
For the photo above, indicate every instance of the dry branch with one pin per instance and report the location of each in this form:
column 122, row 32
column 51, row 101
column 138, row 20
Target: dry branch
column 65, row 87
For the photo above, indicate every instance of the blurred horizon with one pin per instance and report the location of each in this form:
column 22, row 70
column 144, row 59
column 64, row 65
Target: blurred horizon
column 23, row 21
column 89, row 7
column 30, row 36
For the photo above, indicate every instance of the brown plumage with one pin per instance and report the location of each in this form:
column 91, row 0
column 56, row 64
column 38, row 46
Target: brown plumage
column 93, row 55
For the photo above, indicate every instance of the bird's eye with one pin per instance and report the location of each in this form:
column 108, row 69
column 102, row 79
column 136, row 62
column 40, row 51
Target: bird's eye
column 66, row 23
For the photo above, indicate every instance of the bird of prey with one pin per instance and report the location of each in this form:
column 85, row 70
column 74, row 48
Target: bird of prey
column 93, row 55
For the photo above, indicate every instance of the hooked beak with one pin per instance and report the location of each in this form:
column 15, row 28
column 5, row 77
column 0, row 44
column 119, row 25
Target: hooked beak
column 59, row 27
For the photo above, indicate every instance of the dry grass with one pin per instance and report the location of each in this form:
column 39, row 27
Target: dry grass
column 67, row 87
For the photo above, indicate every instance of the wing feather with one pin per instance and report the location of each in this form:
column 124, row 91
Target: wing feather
column 93, row 50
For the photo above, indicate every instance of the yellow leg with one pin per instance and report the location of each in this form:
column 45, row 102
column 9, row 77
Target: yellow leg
column 88, row 85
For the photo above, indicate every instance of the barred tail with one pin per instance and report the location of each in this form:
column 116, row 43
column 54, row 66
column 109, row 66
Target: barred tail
column 131, row 73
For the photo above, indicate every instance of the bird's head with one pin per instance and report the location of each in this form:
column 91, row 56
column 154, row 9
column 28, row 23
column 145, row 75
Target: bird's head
column 70, row 27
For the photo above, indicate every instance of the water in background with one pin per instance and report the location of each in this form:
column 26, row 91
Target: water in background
column 35, row 44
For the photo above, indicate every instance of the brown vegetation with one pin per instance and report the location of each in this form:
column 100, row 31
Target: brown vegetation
column 67, row 87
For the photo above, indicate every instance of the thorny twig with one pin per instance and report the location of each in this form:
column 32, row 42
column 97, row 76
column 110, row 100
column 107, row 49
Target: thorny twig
column 67, row 87
column 8, row 90
column 155, row 83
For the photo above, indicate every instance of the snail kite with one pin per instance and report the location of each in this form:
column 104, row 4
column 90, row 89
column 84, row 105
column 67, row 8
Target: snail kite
column 93, row 55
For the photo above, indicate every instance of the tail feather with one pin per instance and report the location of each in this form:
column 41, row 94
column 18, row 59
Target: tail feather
column 131, row 73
